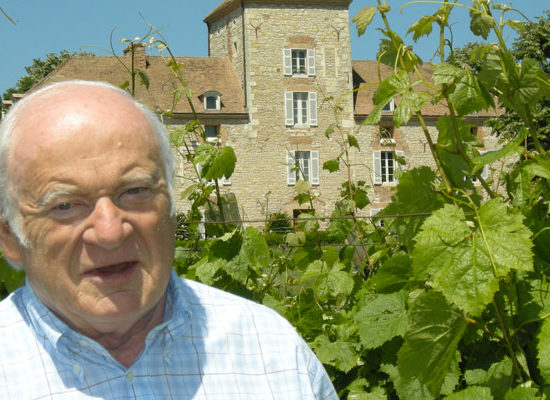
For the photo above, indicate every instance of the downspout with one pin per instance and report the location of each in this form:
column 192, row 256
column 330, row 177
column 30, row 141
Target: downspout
column 245, row 84
column 208, row 34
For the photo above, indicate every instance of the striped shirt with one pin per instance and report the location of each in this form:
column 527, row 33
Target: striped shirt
column 212, row 345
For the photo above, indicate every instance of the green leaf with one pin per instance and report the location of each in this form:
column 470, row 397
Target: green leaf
column 406, row 388
column 124, row 85
column 381, row 318
column 254, row 249
column 338, row 354
column 511, row 148
column 422, row 27
column 143, row 78
column 394, row 274
column 352, row 141
column 522, row 393
column 435, row 329
column 543, row 348
column 335, row 282
column 465, row 263
column 469, row 96
column 471, row 393
column 363, row 19
column 331, row 165
column 410, row 103
column 480, row 21
column 499, row 378
column 415, row 193
column 357, row 390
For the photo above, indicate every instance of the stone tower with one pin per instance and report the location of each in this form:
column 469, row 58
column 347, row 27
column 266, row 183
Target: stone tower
column 290, row 56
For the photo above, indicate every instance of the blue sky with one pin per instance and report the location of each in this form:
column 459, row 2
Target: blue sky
column 77, row 25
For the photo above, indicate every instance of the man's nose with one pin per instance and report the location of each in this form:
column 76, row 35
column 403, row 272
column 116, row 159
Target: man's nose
column 107, row 228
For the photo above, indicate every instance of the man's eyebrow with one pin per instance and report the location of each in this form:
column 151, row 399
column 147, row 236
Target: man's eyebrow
column 53, row 194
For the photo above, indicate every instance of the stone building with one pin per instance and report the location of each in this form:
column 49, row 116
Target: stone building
column 279, row 75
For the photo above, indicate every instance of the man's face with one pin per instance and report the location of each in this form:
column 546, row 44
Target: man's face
column 90, row 188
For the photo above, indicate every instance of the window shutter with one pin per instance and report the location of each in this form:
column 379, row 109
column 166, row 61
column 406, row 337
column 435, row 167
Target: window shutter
column 290, row 168
column 312, row 97
column 400, row 154
column 311, row 62
column 289, row 109
column 376, row 167
column 287, row 61
column 314, row 167
column 225, row 181
column 485, row 170
column 397, row 165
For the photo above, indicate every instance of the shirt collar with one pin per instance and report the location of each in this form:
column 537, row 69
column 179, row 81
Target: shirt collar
column 48, row 327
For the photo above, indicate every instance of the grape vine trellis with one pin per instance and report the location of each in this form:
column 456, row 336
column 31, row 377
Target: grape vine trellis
column 452, row 304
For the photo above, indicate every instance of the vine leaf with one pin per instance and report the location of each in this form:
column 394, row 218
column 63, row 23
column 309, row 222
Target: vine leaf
column 364, row 18
column 338, row 354
column 471, row 393
column 543, row 348
column 381, row 318
column 435, row 329
column 465, row 262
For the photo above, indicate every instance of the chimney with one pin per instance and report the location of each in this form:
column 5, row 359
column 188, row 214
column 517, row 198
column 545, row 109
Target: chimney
column 138, row 50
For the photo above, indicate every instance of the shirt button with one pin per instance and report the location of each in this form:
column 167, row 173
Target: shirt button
column 76, row 368
column 83, row 343
column 130, row 376
column 167, row 353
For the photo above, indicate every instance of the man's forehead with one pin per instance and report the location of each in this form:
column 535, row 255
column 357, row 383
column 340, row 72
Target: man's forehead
column 72, row 106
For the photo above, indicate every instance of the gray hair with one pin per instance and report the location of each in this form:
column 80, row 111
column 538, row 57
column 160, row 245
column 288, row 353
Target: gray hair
column 8, row 208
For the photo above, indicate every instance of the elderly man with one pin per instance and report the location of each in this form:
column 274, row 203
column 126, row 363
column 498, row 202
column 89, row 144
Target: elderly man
column 87, row 210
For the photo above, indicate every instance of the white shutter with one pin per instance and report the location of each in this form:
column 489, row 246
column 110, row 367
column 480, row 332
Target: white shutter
column 225, row 181
column 287, row 61
column 290, row 168
column 314, row 155
column 312, row 98
column 400, row 154
column 397, row 165
column 376, row 167
column 311, row 62
column 289, row 109
column 485, row 170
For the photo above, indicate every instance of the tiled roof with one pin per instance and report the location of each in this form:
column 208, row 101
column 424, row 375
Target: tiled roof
column 366, row 72
column 202, row 74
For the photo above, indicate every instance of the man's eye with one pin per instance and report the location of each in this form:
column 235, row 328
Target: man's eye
column 63, row 206
column 137, row 190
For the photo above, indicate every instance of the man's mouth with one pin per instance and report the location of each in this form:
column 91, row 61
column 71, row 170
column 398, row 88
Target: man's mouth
column 113, row 271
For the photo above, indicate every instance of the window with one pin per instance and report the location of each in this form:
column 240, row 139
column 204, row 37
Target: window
column 484, row 171
column 390, row 107
column 211, row 133
column 302, row 164
column 300, row 108
column 376, row 221
column 385, row 165
column 299, row 62
column 212, row 100
column 386, row 135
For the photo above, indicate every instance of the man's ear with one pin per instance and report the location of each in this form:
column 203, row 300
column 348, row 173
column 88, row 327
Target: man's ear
column 11, row 248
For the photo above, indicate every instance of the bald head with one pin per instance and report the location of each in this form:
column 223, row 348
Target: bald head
column 72, row 107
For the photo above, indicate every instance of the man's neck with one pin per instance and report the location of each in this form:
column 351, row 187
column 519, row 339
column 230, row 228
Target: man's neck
column 126, row 346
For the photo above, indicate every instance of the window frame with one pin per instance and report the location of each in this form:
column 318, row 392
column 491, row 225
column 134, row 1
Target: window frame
column 216, row 96
column 293, row 172
column 379, row 176
column 288, row 62
column 310, row 110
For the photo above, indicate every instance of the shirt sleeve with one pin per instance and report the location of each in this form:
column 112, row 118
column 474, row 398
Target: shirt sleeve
column 319, row 383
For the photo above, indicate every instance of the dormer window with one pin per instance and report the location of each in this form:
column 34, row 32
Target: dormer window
column 212, row 101
column 390, row 107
